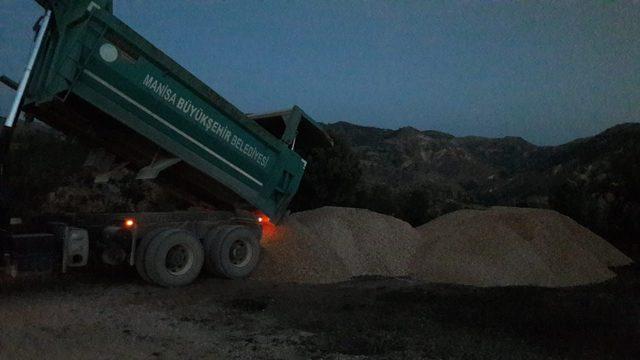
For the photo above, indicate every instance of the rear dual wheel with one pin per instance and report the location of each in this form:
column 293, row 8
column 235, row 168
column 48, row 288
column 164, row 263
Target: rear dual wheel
column 232, row 251
column 170, row 258
column 174, row 257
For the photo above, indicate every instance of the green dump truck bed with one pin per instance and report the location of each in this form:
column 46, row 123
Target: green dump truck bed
column 98, row 79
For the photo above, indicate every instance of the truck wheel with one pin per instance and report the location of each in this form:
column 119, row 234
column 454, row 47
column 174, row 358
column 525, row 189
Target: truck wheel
column 232, row 251
column 141, row 249
column 173, row 258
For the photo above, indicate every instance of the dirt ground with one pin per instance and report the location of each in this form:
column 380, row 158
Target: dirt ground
column 116, row 316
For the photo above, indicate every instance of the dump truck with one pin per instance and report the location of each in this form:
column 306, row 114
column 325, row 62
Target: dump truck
column 92, row 77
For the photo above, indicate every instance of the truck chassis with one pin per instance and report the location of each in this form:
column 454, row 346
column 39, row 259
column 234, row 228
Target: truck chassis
column 167, row 248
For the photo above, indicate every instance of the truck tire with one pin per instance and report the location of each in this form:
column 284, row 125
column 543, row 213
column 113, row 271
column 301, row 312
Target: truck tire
column 141, row 249
column 173, row 258
column 232, row 251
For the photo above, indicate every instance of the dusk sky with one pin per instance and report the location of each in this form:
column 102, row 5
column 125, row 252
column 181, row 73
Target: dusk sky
column 548, row 71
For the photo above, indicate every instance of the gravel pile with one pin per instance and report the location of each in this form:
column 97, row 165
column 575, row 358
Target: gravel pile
column 495, row 247
column 334, row 244
column 512, row 246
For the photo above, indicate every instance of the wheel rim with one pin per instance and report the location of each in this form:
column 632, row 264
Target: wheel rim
column 179, row 260
column 240, row 253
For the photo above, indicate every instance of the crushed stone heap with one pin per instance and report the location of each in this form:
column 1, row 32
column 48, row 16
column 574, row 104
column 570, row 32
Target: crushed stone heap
column 512, row 246
column 495, row 247
column 332, row 244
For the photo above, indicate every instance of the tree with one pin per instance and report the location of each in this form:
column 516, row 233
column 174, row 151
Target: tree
column 331, row 178
column 378, row 198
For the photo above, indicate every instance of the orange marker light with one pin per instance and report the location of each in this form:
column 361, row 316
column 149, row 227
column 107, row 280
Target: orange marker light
column 268, row 228
column 129, row 223
column 261, row 218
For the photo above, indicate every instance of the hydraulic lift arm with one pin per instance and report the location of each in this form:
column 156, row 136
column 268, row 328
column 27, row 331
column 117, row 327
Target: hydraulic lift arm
column 7, row 129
